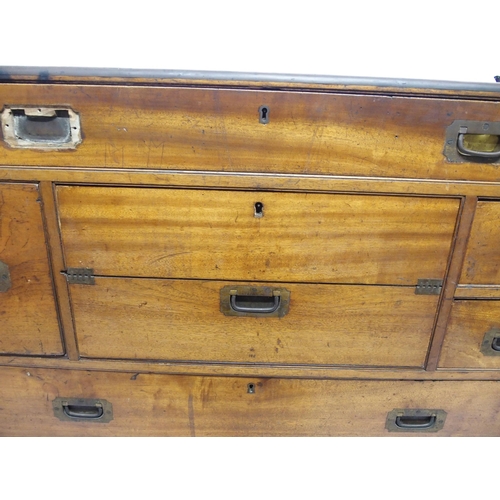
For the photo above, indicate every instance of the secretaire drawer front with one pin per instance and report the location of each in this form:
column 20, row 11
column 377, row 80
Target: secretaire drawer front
column 482, row 260
column 153, row 127
column 265, row 236
column 184, row 320
column 176, row 405
column 473, row 335
column 28, row 317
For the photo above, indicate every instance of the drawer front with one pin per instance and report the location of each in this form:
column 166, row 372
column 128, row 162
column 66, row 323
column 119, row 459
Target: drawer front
column 472, row 329
column 220, row 130
column 28, row 318
column 211, row 234
column 482, row 260
column 182, row 320
column 169, row 405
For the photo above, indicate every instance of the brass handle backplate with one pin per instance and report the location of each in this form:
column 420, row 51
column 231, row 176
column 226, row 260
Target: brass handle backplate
column 415, row 420
column 83, row 410
column 47, row 128
column 472, row 141
column 490, row 346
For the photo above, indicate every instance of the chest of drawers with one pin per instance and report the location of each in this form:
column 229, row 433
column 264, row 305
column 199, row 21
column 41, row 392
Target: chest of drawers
column 218, row 254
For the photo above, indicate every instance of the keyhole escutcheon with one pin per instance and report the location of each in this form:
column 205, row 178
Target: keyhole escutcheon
column 258, row 209
column 264, row 114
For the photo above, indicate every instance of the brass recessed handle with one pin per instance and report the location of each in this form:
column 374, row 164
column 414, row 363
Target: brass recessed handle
column 495, row 344
column 83, row 410
column 254, row 301
column 47, row 128
column 89, row 412
column 255, row 304
column 471, row 140
column 464, row 150
column 490, row 345
column 416, row 422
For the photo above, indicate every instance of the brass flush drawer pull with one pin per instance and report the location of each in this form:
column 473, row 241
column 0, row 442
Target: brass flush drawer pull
column 406, row 422
column 472, row 141
column 484, row 145
column 88, row 410
column 420, row 420
column 490, row 346
column 495, row 344
column 49, row 128
column 254, row 301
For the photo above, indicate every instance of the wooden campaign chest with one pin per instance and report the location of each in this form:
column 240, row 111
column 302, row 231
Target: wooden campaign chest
column 209, row 254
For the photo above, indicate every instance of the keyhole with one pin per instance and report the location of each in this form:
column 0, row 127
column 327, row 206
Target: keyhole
column 251, row 388
column 259, row 209
column 264, row 114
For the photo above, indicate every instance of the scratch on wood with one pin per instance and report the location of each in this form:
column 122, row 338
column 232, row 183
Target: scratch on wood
column 134, row 377
column 221, row 125
column 316, row 136
column 191, row 415
column 163, row 257
column 82, row 90
column 113, row 155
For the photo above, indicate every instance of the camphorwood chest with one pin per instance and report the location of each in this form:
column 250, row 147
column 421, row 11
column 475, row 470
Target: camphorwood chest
column 205, row 254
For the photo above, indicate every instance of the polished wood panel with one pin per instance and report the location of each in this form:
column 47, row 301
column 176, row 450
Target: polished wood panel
column 160, row 405
column 482, row 261
column 28, row 318
column 181, row 320
column 477, row 292
column 470, row 320
column 250, row 370
column 219, row 130
column 251, row 181
column 211, row 234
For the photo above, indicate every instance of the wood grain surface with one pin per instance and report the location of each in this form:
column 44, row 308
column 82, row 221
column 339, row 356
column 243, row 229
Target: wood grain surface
column 28, row 318
column 482, row 260
column 181, row 320
column 250, row 181
column 213, row 129
column 163, row 405
column 470, row 320
column 477, row 292
column 211, row 234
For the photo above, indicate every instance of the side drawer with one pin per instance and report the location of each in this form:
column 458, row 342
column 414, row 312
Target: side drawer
column 172, row 405
column 482, row 259
column 470, row 337
column 182, row 320
column 28, row 317
column 212, row 234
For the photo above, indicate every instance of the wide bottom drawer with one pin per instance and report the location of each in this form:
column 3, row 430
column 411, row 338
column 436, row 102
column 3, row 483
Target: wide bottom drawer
column 46, row 402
